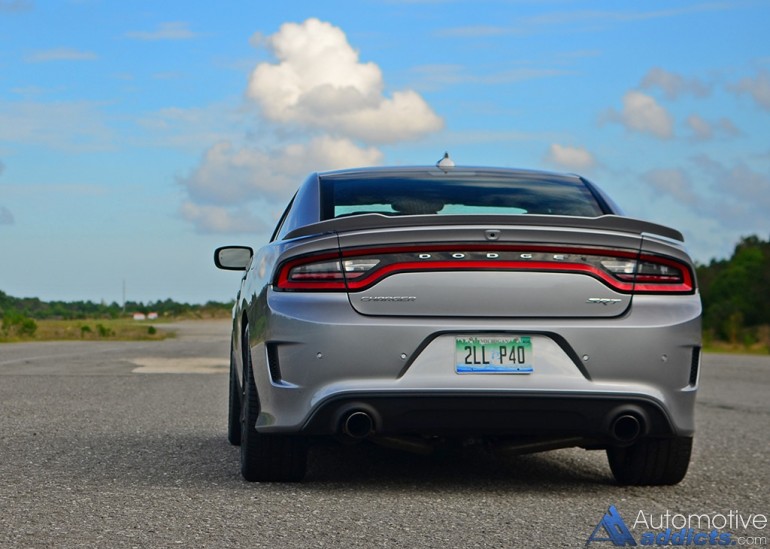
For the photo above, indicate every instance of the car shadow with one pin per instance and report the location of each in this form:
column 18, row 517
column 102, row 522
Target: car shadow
column 473, row 467
column 186, row 460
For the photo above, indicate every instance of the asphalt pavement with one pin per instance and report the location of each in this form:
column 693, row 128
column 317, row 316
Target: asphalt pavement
column 121, row 444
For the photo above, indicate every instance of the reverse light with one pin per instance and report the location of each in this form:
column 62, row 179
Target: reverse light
column 357, row 267
column 328, row 270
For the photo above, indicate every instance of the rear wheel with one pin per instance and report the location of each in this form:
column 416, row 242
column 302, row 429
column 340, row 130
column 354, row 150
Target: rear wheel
column 268, row 458
column 652, row 462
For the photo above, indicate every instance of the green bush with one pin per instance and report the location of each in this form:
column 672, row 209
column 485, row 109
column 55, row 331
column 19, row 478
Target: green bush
column 104, row 331
column 15, row 323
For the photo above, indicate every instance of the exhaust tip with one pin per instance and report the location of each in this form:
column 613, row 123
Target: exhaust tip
column 358, row 425
column 626, row 428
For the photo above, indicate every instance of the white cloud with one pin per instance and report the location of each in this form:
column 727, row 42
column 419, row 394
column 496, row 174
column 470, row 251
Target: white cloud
column 319, row 82
column 434, row 77
column 577, row 20
column 217, row 219
column 229, row 179
column 758, row 88
column 700, row 128
column 228, row 175
column 318, row 88
column 573, row 158
column 77, row 125
column 703, row 130
column 673, row 182
column 476, row 31
column 6, row 217
column 738, row 185
column 674, row 85
column 727, row 127
column 643, row 114
column 195, row 127
column 15, row 6
column 174, row 30
column 60, row 54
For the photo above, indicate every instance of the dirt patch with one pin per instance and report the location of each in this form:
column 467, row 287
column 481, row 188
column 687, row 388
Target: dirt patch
column 196, row 365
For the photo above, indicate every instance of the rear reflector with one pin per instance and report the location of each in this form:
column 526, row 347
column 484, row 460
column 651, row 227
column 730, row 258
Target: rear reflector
column 622, row 270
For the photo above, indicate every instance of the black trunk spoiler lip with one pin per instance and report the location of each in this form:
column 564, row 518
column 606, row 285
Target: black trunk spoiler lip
column 379, row 221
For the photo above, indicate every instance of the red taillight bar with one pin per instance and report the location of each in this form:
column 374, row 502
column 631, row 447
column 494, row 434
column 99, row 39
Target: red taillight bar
column 674, row 276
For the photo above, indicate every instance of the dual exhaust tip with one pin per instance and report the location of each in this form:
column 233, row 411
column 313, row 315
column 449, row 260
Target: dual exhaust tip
column 625, row 428
column 358, row 424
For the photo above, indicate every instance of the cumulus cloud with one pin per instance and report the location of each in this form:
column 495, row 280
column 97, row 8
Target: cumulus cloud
column 641, row 113
column 319, row 82
column 757, row 88
column 673, row 182
column 229, row 175
column 673, row 85
column 573, row 158
column 230, row 178
column 317, row 88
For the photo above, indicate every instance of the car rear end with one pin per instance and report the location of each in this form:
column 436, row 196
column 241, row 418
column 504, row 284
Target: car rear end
column 522, row 323
column 541, row 330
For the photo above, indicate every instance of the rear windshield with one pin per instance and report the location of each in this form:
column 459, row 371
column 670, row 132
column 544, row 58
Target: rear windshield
column 457, row 195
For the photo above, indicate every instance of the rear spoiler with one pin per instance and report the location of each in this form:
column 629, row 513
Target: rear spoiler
column 380, row 221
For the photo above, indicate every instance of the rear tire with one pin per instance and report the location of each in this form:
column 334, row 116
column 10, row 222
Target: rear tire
column 234, row 409
column 266, row 458
column 651, row 462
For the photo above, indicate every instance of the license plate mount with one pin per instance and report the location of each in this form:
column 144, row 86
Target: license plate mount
column 493, row 355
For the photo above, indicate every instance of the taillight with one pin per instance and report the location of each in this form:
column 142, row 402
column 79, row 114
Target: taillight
column 652, row 274
column 313, row 274
column 358, row 269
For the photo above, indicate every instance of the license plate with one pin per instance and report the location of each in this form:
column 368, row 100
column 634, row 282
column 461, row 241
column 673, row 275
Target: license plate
column 493, row 355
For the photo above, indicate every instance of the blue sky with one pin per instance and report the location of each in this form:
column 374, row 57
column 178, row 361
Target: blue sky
column 135, row 137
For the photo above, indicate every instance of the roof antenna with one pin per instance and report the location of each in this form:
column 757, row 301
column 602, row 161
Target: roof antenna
column 446, row 163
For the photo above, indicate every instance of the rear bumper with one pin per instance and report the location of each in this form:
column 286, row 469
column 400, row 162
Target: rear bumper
column 586, row 416
column 315, row 359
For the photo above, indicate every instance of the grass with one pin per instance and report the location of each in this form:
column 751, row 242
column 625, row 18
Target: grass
column 736, row 348
column 126, row 329
column 92, row 330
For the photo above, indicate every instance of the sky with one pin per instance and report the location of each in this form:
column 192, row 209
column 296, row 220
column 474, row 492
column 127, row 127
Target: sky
column 136, row 137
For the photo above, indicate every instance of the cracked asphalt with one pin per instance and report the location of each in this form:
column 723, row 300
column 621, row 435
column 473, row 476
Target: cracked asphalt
column 123, row 445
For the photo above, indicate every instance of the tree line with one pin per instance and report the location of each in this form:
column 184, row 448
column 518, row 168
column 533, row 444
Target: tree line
column 34, row 308
column 736, row 295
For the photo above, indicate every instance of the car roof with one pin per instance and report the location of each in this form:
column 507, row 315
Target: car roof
column 459, row 171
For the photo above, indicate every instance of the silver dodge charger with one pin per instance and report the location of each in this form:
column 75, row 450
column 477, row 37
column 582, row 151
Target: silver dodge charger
column 428, row 306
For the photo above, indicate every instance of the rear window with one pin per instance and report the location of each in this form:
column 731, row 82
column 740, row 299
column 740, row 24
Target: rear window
column 456, row 195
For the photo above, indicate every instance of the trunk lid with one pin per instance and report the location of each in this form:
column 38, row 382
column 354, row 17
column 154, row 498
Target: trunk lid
column 488, row 271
